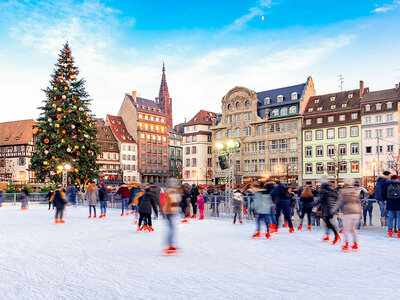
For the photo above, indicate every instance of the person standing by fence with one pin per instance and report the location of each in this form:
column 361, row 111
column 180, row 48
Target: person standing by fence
column 48, row 197
column 194, row 192
column 92, row 196
column 71, row 193
column 125, row 193
column 58, row 200
column 350, row 199
column 103, row 197
column 380, row 195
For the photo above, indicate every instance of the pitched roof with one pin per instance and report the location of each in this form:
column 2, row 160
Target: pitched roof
column 203, row 117
column 17, row 132
column 389, row 94
column 333, row 102
column 173, row 134
column 119, row 130
column 145, row 105
column 105, row 139
column 286, row 92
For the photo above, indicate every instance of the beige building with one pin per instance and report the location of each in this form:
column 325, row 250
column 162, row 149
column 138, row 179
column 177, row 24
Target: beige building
column 268, row 126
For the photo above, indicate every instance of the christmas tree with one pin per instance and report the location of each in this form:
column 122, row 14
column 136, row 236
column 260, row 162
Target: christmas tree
column 66, row 134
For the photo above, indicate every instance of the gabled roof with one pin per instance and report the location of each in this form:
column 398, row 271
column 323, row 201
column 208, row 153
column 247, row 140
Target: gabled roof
column 173, row 134
column 119, row 130
column 333, row 102
column 203, row 117
column 106, row 139
column 145, row 105
column 286, row 92
column 17, row 132
column 383, row 95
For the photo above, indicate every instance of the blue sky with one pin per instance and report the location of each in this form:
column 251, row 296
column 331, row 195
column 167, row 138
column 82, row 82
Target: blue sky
column 208, row 48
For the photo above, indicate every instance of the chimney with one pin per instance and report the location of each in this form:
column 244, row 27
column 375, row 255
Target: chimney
column 361, row 88
column 134, row 96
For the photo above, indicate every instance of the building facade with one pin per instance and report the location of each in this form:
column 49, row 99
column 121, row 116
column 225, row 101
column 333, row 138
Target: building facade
column 127, row 149
column 332, row 137
column 380, row 133
column 108, row 159
column 16, row 148
column 175, row 154
column 197, row 149
column 268, row 126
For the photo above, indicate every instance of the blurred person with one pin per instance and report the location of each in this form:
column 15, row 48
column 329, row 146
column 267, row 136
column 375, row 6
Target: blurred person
column 92, row 196
column 263, row 207
column 173, row 196
column 307, row 204
column 393, row 203
column 48, row 196
column 350, row 199
column 24, row 198
column 380, row 192
column 327, row 200
column 282, row 197
column 162, row 202
column 200, row 205
column 59, row 201
column 184, row 204
column 136, row 193
column 237, row 203
column 71, row 193
column 146, row 202
column 194, row 192
column 1, row 197
column 157, row 192
column 103, row 197
column 125, row 193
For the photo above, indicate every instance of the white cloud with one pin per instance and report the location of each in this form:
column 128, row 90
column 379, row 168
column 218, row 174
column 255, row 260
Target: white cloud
column 387, row 7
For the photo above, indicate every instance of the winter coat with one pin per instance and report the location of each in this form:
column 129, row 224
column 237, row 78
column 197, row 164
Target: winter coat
column 157, row 191
column 381, row 188
column 183, row 204
column 263, row 203
column 350, row 199
column 24, row 197
column 237, row 203
column 194, row 192
column 58, row 199
column 124, row 192
column 147, row 201
column 308, row 202
column 49, row 194
column 280, row 193
column 391, row 205
column 327, row 199
column 200, row 202
column 93, row 197
column 172, row 198
column 103, row 194
column 71, row 192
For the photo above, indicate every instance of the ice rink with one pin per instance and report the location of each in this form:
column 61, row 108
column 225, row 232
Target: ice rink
column 107, row 259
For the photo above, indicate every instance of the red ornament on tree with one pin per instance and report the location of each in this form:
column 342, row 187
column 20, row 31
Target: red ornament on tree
column 58, row 117
column 46, row 141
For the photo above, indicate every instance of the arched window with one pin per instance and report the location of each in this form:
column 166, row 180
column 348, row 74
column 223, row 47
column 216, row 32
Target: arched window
column 237, row 104
column 275, row 112
column 237, row 132
column 292, row 110
column 378, row 106
column 229, row 133
column 247, row 103
column 267, row 101
column 294, row 96
column 284, row 111
column 280, row 98
column 260, row 129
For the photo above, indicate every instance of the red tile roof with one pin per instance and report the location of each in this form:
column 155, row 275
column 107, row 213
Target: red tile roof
column 17, row 132
column 203, row 117
column 119, row 129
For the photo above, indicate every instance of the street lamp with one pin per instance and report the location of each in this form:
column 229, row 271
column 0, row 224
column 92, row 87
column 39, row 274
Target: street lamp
column 374, row 166
column 64, row 169
column 197, row 177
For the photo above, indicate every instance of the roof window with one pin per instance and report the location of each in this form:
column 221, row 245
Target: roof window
column 333, row 106
column 319, row 108
column 280, row 98
column 350, row 95
column 344, row 105
column 310, row 109
column 316, row 101
column 294, row 96
column 332, row 98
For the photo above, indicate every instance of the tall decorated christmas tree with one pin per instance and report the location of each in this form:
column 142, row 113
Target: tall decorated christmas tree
column 66, row 134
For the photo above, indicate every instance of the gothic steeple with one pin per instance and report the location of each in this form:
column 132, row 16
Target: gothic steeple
column 164, row 101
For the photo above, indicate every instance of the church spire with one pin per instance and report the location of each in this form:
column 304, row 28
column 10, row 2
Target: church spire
column 164, row 101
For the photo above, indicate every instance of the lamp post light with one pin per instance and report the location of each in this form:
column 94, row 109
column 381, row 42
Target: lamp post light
column 64, row 169
column 374, row 167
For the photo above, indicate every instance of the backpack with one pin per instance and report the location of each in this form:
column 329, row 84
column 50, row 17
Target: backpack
column 393, row 191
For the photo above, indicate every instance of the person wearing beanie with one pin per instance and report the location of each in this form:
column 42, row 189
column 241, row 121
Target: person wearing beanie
column 380, row 191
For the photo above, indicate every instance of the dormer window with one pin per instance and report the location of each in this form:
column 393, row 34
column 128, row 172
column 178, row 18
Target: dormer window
column 119, row 121
column 378, row 106
column 6, row 139
column 344, row 105
column 389, row 105
column 332, row 98
column 280, row 98
column 333, row 106
column 267, row 101
column 17, row 138
column 316, row 101
column 310, row 109
column 319, row 108
column 123, row 129
column 350, row 95
column 116, row 128
column 123, row 137
column 294, row 96
column 367, row 107
column 112, row 121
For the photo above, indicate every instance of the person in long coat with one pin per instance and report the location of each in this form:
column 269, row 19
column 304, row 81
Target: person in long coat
column 92, row 196
column 58, row 200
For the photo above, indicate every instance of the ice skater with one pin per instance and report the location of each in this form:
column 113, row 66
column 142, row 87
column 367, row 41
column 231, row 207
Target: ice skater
column 263, row 207
column 307, row 201
column 92, row 196
column 103, row 197
column 327, row 199
column 58, row 200
column 282, row 197
column 350, row 199
column 237, row 203
column 146, row 203
column 24, row 197
column 200, row 205
column 48, row 197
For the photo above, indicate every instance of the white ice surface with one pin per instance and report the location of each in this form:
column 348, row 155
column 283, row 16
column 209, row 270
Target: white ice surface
column 107, row 259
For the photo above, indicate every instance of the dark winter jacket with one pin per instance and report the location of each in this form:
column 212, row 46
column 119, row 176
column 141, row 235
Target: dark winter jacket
column 327, row 199
column 185, row 194
column 308, row 202
column 49, row 194
column 391, row 205
column 59, row 199
column 124, row 192
column 280, row 193
column 71, row 192
column 194, row 192
column 381, row 188
column 147, row 201
column 157, row 191
column 263, row 202
column 103, row 194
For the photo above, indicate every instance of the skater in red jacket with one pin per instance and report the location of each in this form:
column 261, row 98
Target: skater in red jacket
column 200, row 205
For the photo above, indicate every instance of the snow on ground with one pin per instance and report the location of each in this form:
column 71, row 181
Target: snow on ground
column 107, row 259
